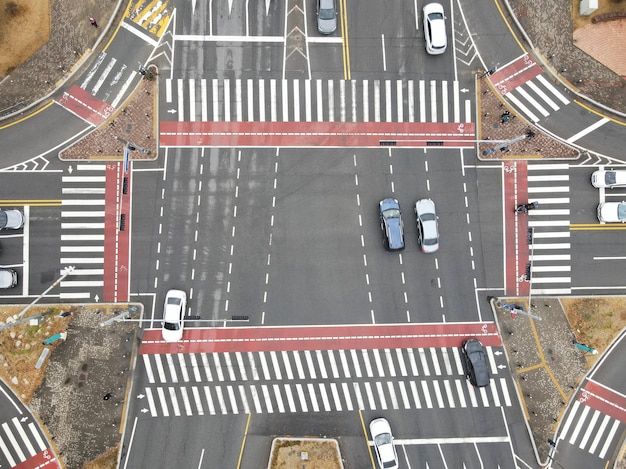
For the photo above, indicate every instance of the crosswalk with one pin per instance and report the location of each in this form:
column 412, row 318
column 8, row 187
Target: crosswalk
column 21, row 441
column 315, row 381
column 151, row 15
column 591, row 430
column 550, row 257
column 319, row 100
column 82, row 230
column 537, row 98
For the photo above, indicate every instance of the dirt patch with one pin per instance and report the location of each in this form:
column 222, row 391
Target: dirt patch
column 312, row 453
column 24, row 28
column 604, row 6
column 595, row 321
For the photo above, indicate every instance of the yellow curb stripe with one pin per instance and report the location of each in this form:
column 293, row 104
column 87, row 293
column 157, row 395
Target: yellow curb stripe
column 497, row 4
column 596, row 226
column 34, row 113
column 521, row 394
column 369, row 448
column 543, row 360
column 345, row 43
column 243, row 441
column 593, row 111
column 530, row 368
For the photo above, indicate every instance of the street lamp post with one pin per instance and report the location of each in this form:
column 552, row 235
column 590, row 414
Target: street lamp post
column 66, row 271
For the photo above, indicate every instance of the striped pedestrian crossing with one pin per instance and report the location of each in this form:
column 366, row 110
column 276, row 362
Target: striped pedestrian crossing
column 273, row 100
column 591, row 430
column 550, row 258
column 82, row 230
column 315, row 381
column 22, row 442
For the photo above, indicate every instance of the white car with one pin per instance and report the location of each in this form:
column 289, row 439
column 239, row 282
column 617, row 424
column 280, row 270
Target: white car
column 8, row 278
column 427, row 228
column 383, row 444
column 612, row 212
column 435, row 29
column 173, row 315
column 11, row 219
column 608, row 179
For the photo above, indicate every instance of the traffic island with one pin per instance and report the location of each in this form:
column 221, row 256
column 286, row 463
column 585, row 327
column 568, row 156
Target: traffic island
column 131, row 129
column 309, row 453
column 503, row 135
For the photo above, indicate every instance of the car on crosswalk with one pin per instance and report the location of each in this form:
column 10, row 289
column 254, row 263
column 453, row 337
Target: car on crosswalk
column 173, row 315
column 612, row 212
column 383, row 444
column 435, row 29
column 11, row 219
column 391, row 224
column 608, row 179
column 475, row 359
column 427, row 227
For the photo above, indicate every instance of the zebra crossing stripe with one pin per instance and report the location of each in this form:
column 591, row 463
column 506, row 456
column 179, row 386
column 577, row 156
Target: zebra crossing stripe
column 324, row 397
column 433, row 356
column 404, row 395
column 346, row 393
column 505, row 392
column 522, row 107
column 552, row 89
column 609, row 439
column 413, row 363
column 238, row 102
column 459, row 392
column 579, row 424
column 381, row 395
column 312, row 394
column 148, row 366
column 220, row 400
column 600, row 431
column 370, row 396
column 195, row 368
column 35, row 433
column 429, row 401
column 205, row 105
column 472, row 393
column 356, row 363
column 444, row 97
column 20, row 430
column 197, row 399
column 433, row 101
column 7, row 453
column 255, row 399
column 368, row 365
column 400, row 359
column 299, row 367
column 183, row 367
column 229, row 367
column 532, row 101
column 233, row 400
column 438, row 394
column 446, row 361
column 392, row 368
column 589, row 430
column 320, row 363
column 302, row 398
column 379, row 363
column 218, row 367
column 207, row 368
column 333, row 364
column 309, row 362
column 416, row 397
column 543, row 96
column 359, row 396
column 266, row 397
column 186, row 403
column 422, row 355
column 174, row 401
column 209, row 399
column 181, row 104
column 492, row 360
column 344, row 363
column 483, row 395
column 335, row 393
column 242, row 369
column 449, row 395
column 290, row 400
column 494, row 393
column 192, row 99
column 170, row 365
column 164, row 409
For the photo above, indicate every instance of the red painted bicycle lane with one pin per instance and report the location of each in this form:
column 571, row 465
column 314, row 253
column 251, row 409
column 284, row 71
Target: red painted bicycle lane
column 517, row 254
column 116, row 239
column 514, row 74
column 278, row 339
column 314, row 134
column 603, row 399
column 43, row 459
column 85, row 105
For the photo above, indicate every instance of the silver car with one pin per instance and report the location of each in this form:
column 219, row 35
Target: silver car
column 11, row 219
column 427, row 227
column 326, row 16
column 608, row 179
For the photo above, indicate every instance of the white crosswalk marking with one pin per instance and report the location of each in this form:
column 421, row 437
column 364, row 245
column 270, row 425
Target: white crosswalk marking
column 444, row 389
column 23, row 436
column 550, row 244
column 422, row 354
column 266, row 370
column 317, row 100
column 532, row 94
column 209, row 399
column 163, row 401
column 368, row 366
column 589, row 430
column 7, row 453
column 37, row 436
column 609, row 439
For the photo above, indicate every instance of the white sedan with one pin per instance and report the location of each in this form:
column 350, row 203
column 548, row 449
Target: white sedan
column 608, row 179
column 383, row 444
column 435, row 29
column 173, row 314
column 612, row 212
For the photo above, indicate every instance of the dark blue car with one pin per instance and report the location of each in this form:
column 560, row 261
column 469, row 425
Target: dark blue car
column 391, row 224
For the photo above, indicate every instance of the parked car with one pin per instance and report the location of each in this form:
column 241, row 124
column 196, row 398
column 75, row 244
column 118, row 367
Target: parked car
column 173, row 315
column 608, row 179
column 435, row 29
column 11, row 219
column 383, row 444
column 612, row 212
column 326, row 16
column 391, row 224
column 8, row 278
column 475, row 358
column 427, row 227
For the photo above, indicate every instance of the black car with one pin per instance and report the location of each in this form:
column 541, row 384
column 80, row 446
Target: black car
column 391, row 224
column 475, row 358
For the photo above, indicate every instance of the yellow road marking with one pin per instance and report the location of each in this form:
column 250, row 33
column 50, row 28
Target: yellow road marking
column 369, row 449
column 345, row 44
column 597, row 226
column 31, row 202
column 243, row 442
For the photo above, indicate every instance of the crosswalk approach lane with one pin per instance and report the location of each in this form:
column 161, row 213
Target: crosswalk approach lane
column 315, row 381
column 319, row 100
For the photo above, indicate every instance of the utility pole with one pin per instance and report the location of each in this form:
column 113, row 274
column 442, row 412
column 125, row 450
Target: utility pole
column 66, row 271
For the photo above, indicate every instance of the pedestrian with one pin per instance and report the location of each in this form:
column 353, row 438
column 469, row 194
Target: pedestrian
column 93, row 22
